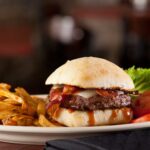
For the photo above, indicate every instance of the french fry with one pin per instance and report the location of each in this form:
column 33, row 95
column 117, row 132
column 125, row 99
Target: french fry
column 29, row 106
column 6, row 106
column 4, row 114
column 37, row 99
column 21, row 120
column 41, row 108
column 13, row 96
column 24, row 94
column 19, row 108
column 11, row 101
column 5, row 86
column 36, row 122
column 7, row 109
column 45, row 122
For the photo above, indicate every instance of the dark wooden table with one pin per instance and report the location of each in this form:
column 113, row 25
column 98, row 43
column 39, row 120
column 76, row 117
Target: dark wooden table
column 9, row 146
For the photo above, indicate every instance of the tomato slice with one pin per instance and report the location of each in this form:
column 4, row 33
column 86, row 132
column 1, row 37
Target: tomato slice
column 142, row 104
column 146, row 93
column 144, row 118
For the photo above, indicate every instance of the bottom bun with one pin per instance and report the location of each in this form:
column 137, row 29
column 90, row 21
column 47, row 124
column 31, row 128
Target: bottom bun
column 74, row 118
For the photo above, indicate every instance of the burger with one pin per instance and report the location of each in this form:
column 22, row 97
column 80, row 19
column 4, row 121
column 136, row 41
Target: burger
column 90, row 91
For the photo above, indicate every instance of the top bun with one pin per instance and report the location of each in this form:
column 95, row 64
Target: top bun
column 91, row 72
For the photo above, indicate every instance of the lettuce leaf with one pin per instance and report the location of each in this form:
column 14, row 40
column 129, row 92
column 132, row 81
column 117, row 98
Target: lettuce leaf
column 140, row 77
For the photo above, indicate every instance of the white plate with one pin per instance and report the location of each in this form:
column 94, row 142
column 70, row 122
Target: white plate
column 39, row 135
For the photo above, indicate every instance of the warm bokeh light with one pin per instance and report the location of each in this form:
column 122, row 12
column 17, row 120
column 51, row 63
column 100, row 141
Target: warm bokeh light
column 38, row 36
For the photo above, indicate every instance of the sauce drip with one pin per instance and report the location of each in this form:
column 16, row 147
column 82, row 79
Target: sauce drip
column 54, row 110
column 127, row 114
column 71, row 110
column 113, row 116
column 91, row 118
column 57, row 113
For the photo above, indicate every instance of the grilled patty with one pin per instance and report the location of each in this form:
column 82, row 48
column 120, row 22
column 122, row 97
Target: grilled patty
column 96, row 102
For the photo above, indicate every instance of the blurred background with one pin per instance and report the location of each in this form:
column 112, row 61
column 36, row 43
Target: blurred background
column 36, row 36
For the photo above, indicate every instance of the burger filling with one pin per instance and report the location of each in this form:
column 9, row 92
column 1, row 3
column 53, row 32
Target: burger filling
column 75, row 98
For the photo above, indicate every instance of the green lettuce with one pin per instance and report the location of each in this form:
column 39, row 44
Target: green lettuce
column 140, row 77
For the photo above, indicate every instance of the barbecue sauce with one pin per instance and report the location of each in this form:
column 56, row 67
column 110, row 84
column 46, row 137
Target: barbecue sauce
column 91, row 118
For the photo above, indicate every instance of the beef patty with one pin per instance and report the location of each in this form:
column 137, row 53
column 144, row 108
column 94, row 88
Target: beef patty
column 106, row 100
column 96, row 102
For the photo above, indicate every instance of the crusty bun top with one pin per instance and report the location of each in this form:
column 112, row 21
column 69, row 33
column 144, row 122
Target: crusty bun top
column 91, row 72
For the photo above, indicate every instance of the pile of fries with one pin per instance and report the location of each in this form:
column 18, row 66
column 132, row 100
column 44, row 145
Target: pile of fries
column 19, row 108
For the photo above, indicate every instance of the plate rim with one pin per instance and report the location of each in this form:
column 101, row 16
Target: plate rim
column 67, row 130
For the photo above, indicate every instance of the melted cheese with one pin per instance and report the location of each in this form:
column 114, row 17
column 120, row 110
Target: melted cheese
column 86, row 93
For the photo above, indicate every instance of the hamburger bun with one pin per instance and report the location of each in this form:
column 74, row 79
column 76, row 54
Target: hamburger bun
column 93, row 118
column 91, row 72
